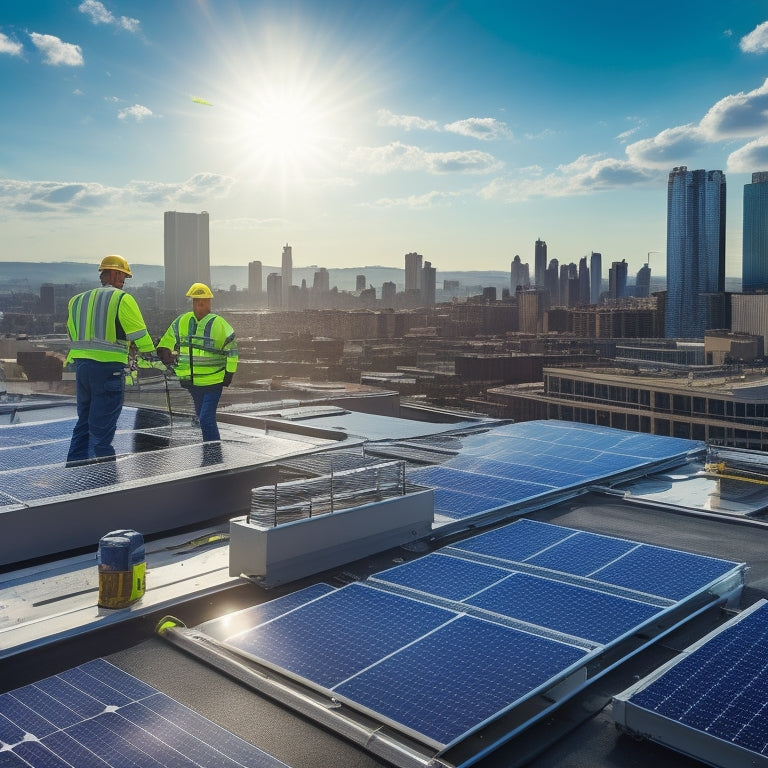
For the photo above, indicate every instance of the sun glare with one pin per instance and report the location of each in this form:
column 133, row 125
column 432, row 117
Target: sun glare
column 283, row 132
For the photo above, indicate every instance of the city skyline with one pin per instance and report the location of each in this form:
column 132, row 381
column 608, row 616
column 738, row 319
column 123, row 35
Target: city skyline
column 359, row 133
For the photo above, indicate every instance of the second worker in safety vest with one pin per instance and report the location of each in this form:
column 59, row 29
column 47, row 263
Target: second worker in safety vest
column 203, row 350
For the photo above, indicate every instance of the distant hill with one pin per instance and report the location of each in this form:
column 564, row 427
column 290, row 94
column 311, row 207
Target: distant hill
column 28, row 276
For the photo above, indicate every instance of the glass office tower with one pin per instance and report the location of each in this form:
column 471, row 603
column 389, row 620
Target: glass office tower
column 754, row 265
column 695, row 249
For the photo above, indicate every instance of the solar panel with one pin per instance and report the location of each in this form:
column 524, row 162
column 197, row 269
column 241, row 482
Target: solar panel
column 346, row 630
column 664, row 572
column 573, row 610
column 582, row 553
column 516, row 542
column 515, row 463
column 443, row 686
column 458, row 505
column 514, row 469
column 718, row 689
column 97, row 715
column 443, row 576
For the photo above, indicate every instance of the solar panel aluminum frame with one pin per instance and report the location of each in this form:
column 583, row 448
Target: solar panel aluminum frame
column 640, row 722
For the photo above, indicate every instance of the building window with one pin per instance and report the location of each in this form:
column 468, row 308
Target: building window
column 661, row 401
column 681, row 405
column 716, row 408
column 661, row 427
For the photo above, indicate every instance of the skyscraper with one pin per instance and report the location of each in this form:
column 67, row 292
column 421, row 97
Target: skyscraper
column 274, row 291
column 428, row 284
column 518, row 275
column 617, row 280
column 186, row 255
column 754, row 265
column 539, row 263
column 695, row 248
column 583, row 281
column 643, row 281
column 286, row 273
column 595, row 277
column 255, row 286
column 413, row 271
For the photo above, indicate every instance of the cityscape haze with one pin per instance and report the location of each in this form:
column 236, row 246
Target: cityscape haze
column 360, row 133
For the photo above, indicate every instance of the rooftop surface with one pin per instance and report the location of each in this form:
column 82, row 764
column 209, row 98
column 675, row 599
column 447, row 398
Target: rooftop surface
column 61, row 627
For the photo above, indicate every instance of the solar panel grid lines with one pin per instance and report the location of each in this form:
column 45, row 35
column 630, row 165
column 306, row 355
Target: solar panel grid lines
column 645, row 570
column 457, row 505
column 347, row 630
column 97, row 715
column 591, row 615
column 718, row 687
column 481, row 686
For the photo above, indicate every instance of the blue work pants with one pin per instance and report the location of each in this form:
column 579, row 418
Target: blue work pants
column 100, row 394
column 206, row 400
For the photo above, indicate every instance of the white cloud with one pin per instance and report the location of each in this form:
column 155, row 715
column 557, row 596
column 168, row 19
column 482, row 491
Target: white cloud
column 66, row 198
column 137, row 112
column 483, row 128
column 756, row 41
column 741, row 114
column 749, row 158
column 588, row 173
column 672, row 146
column 56, row 51
column 403, row 157
column 409, row 122
column 9, row 46
column 99, row 14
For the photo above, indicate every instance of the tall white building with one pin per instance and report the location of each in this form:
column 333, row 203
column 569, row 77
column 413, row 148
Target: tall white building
column 187, row 255
column 286, row 273
column 413, row 269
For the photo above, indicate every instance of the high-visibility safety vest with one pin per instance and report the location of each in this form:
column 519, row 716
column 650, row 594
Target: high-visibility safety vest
column 102, row 323
column 207, row 348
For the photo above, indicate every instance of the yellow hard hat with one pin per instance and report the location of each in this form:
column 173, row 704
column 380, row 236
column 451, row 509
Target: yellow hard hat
column 115, row 262
column 199, row 291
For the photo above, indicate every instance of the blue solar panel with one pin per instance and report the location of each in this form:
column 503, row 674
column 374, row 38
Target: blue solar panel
column 444, row 685
column 516, row 542
column 97, row 715
column 471, row 482
column 259, row 614
column 345, row 631
column 721, row 687
column 582, row 553
column 514, row 469
column 577, row 611
column 443, row 576
column 458, row 505
column 664, row 572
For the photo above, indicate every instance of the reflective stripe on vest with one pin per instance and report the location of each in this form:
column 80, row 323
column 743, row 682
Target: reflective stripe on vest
column 199, row 358
column 94, row 317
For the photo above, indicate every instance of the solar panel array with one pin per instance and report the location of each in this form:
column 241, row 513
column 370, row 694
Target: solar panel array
column 719, row 689
column 96, row 715
column 38, row 471
column 514, row 463
column 440, row 645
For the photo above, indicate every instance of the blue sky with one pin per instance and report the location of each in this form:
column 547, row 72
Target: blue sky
column 359, row 131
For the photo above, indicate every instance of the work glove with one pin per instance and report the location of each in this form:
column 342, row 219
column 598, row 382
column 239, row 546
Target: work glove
column 227, row 378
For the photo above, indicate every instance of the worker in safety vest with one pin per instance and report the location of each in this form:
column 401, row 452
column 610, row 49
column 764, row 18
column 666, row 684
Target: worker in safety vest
column 101, row 324
column 202, row 348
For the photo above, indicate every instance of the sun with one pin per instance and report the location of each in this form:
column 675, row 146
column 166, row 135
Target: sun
column 284, row 131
